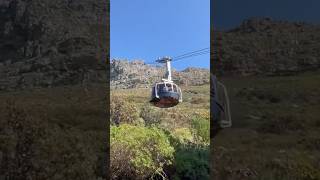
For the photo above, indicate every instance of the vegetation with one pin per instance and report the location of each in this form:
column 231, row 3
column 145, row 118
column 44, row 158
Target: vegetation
column 166, row 143
column 57, row 133
column 122, row 111
column 138, row 151
column 53, row 133
column 202, row 129
column 275, row 133
column 192, row 163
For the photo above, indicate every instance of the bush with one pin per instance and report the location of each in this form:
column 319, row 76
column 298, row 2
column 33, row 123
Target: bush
column 201, row 127
column 150, row 115
column 32, row 148
column 183, row 136
column 122, row 111
column 192, row 163
column 139, row 152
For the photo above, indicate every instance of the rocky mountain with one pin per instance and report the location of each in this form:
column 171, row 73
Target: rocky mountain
column 266, row 46
column 48, row 43
column 136, row 74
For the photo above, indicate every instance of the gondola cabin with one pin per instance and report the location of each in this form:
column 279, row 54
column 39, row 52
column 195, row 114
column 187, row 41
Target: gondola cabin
column 166, row 94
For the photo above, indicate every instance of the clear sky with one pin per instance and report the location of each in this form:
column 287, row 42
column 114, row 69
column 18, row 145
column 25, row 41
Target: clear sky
column 230, row 13
column 148, row 29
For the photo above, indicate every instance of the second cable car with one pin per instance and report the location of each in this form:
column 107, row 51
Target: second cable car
column 219, row 106
column 166, row 94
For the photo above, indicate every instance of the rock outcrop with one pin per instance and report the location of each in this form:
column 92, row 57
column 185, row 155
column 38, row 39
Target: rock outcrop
column 136, row 74
column 266, row 46
column 49, row 43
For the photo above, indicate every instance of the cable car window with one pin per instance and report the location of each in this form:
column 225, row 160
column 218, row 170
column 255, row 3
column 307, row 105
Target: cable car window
column 175, row 88
column 169, row 87
column 161, row 88
column 165, row 88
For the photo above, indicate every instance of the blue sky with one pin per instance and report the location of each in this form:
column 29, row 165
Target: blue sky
column 148, row 29
column 230, row 13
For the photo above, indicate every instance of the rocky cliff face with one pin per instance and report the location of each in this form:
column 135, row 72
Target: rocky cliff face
column 266, row 46
column 137, row 74
column 48, row 43
column 45, row 43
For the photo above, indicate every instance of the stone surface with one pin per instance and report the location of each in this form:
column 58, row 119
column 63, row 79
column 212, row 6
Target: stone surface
column 136, row 74
column 46, row 43
column 266, row 46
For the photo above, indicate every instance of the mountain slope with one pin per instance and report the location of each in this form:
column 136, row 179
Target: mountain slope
column 40, row 46
column 266, row 46
column 132, row 74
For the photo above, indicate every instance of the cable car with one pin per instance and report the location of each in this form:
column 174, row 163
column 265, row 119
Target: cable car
column 166, row 94
column 220, row 106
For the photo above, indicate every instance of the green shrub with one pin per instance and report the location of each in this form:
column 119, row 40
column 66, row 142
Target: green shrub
column 138, row 151
column 192, row 163
column 150, row 115
column 201, row 127
column 122, row 112
column 183, row 136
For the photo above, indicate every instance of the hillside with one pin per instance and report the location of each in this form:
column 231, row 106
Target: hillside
column 136, row 74
column 271, row 71
column 56, row 132
column 276, row 129
column 172, row 142
column 156, row 142
column 262, row 46
column 40, row 46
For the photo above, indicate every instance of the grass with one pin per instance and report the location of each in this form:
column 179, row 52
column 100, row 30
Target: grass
column 69, row 105
column 141, row 97
column 275, row 133
column 72, row 118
